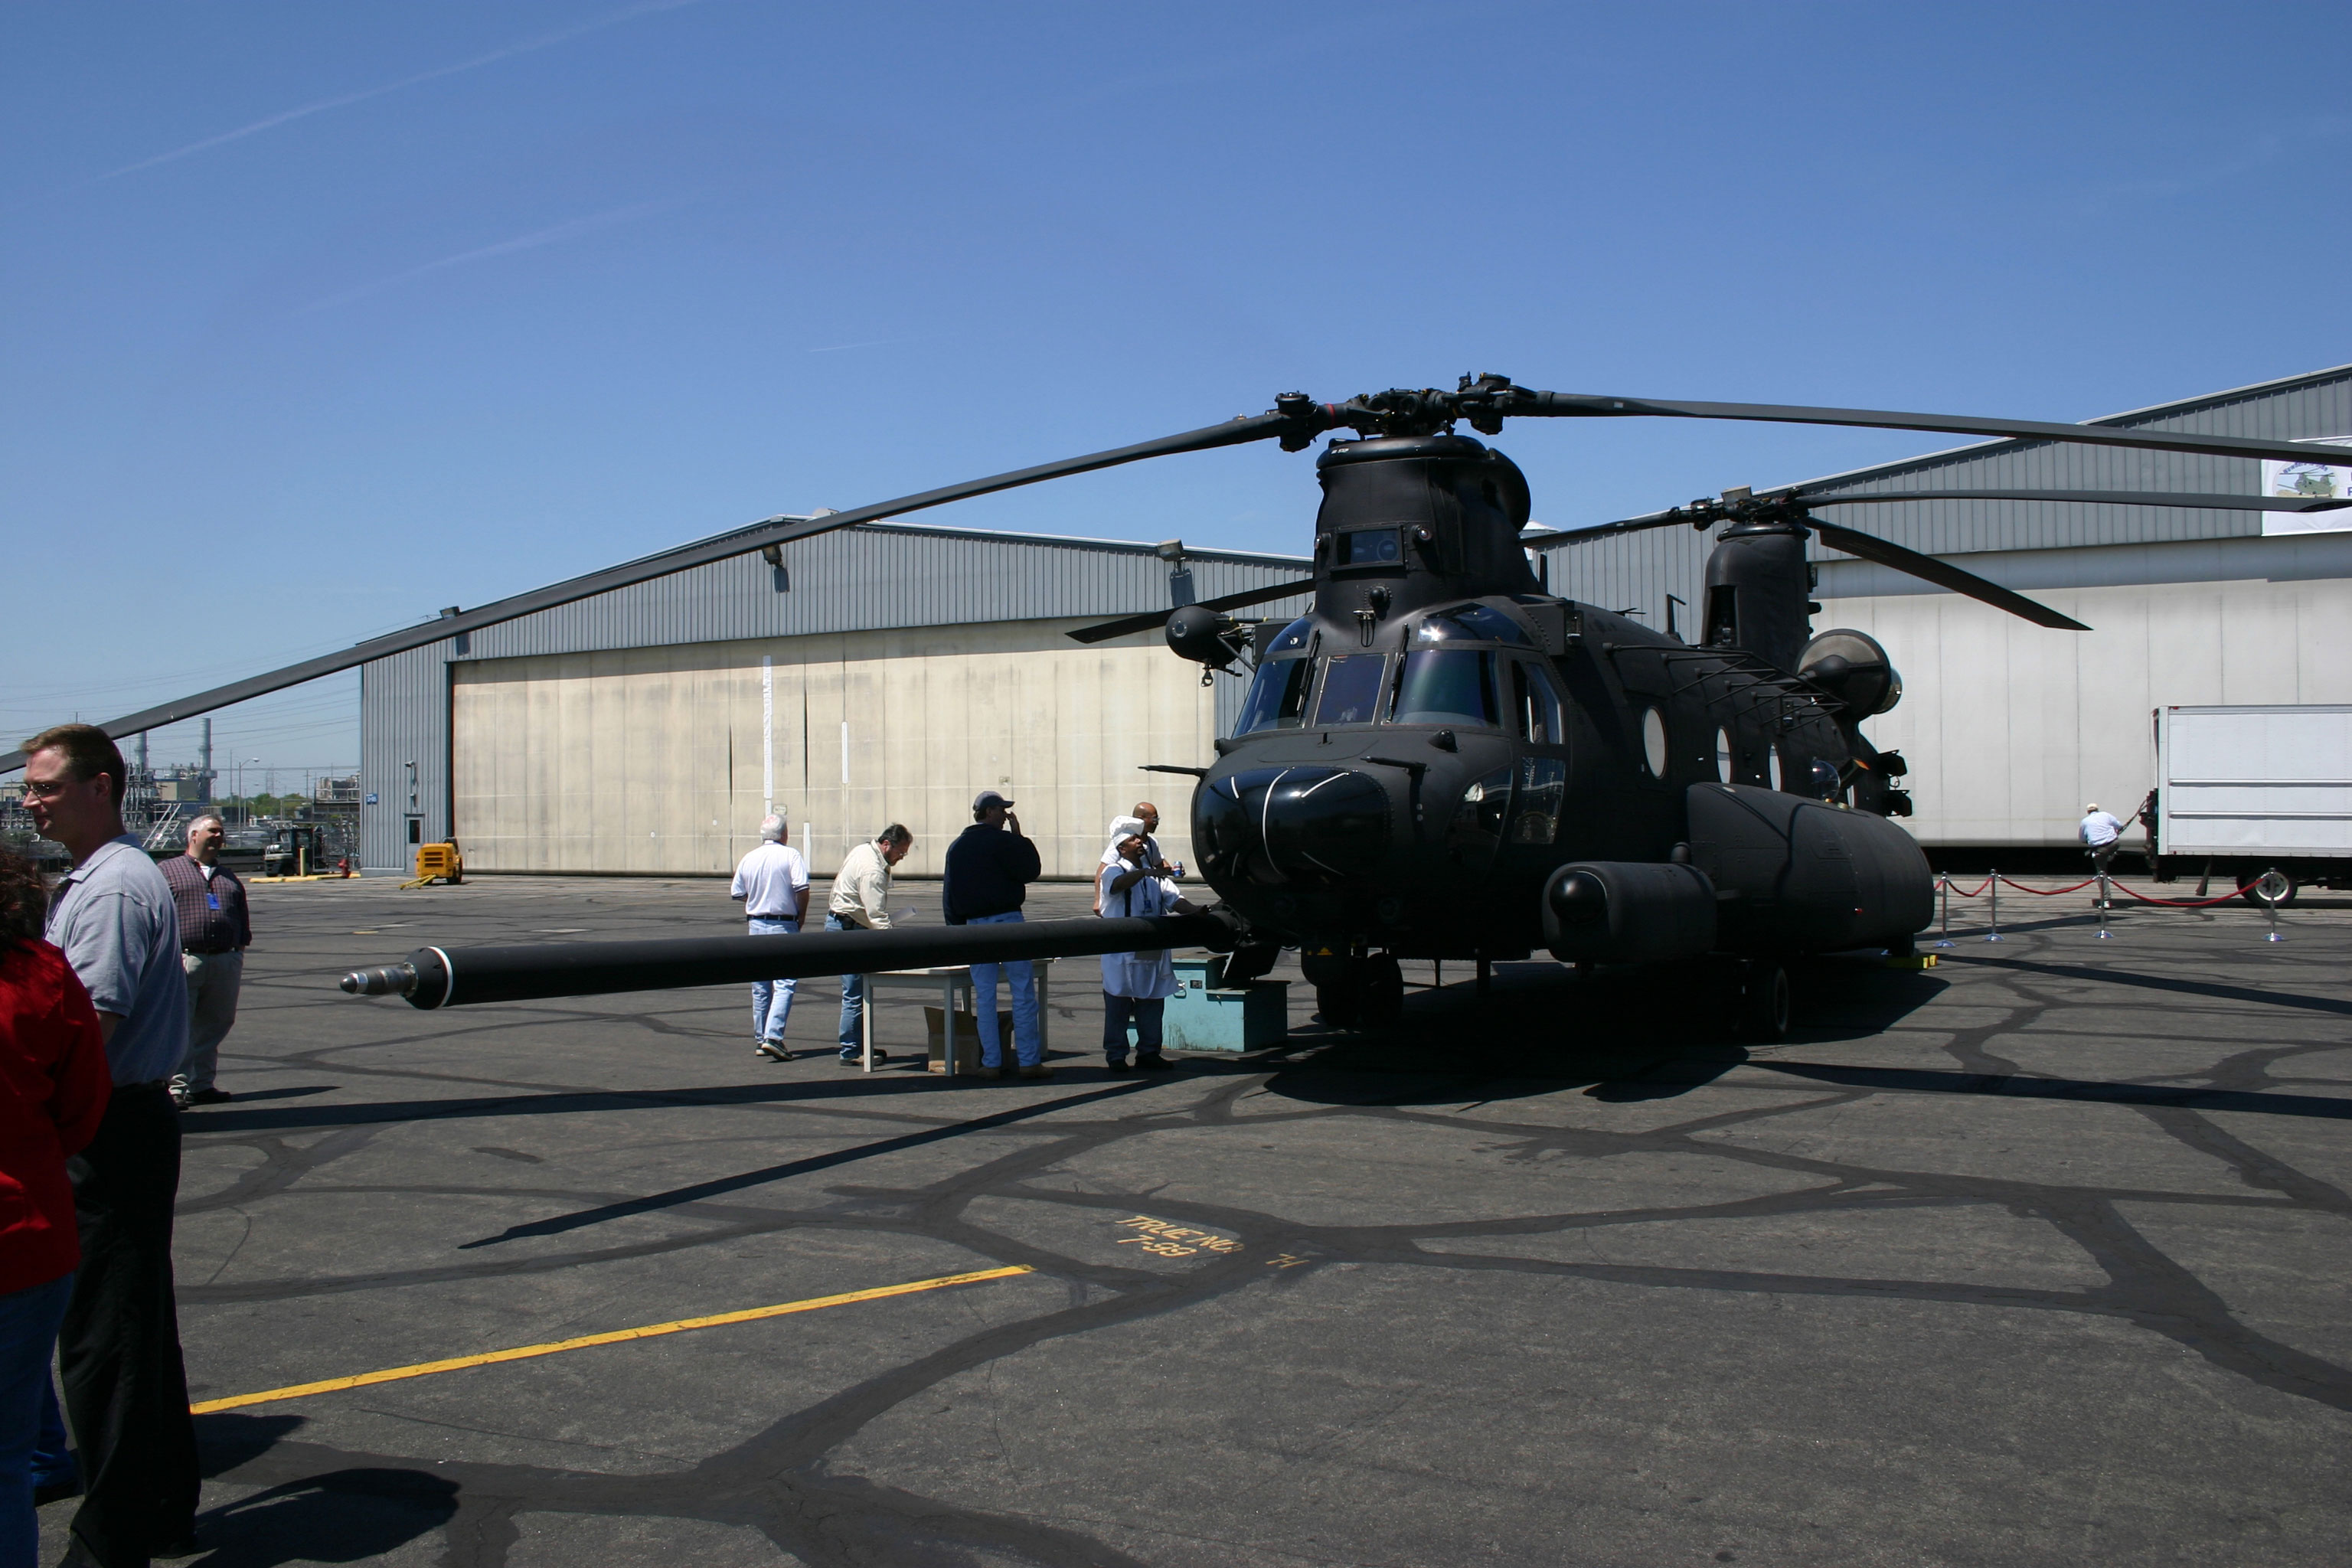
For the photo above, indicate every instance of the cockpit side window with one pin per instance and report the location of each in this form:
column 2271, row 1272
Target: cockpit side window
column 1278, row 696
column 1447, row 686
column 1536, row 704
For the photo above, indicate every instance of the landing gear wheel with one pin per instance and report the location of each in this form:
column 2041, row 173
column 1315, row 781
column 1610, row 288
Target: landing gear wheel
column 1764, row 1000
column 1381, row 1005
column 2273, row 890
column 1337, row 1005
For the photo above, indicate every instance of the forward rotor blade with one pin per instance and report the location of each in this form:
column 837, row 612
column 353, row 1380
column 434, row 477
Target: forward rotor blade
column 742, row 541
column 1627, row 525
column 1570, row 405
column 1107, row 630
column 1943, row 574
column 2091, row 497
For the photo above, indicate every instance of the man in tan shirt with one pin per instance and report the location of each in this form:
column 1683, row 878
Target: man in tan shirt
column 860, row 901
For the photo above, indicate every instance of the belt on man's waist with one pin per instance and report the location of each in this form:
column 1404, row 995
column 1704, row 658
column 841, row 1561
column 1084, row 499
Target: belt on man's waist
column 206, row 951
column 794, row 919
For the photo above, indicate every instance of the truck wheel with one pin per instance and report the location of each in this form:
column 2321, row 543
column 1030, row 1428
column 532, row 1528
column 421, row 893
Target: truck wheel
column 1337, row 1005
column 2272, row 887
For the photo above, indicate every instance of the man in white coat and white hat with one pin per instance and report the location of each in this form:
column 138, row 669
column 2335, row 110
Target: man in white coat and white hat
column 1137, row 985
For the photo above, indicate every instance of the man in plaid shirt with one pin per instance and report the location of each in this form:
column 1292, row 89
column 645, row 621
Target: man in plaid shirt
column 215, row 931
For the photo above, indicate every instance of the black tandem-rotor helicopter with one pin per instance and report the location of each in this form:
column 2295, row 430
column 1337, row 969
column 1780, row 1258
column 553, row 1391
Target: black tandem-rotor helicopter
column 1442, row 759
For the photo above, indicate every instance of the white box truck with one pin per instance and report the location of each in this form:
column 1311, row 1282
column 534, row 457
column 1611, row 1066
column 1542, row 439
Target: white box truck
column 2243, row 792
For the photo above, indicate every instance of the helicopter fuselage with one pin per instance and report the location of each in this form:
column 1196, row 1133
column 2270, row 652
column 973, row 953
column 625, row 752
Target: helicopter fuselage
column 1420, row 756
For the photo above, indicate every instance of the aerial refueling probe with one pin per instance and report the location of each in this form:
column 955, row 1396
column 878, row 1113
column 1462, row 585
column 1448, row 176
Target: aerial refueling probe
column 449, row 977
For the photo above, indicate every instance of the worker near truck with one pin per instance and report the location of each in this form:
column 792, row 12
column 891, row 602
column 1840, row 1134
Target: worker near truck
column 2100, row 833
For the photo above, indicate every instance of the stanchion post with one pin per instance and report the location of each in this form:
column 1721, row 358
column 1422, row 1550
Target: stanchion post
column 2104, row 935
column 1944, row 931
column 1992, row 886
column 2272, row 905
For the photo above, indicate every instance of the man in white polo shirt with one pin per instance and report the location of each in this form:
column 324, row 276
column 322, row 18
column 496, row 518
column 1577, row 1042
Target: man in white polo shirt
column 773, row 885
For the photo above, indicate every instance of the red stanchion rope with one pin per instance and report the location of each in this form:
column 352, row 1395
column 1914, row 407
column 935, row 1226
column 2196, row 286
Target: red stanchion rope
column 2053, row 893
column 2050, row 892
column 2189, row 903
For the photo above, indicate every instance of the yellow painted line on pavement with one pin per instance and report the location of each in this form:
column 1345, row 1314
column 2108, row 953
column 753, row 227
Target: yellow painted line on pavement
column 524, row 1353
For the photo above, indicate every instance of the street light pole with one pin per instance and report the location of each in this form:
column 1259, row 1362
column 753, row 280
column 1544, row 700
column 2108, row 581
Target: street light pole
column 242, row 803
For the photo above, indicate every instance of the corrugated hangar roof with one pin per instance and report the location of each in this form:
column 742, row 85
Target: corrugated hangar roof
column 1626, row 571
column 879, row 575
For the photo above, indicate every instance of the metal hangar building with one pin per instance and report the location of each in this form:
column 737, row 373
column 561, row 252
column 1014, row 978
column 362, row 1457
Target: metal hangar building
column 2010, row 729
column 890, row 671
column 884, row 673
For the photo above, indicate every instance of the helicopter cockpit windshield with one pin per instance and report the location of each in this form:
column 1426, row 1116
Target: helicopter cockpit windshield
column 1447, row 686
column 1470, row 623
column 1440, row 683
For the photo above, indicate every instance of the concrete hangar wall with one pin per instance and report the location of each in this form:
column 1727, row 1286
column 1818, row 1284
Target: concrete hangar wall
column 2008, row 728
column 883, row 673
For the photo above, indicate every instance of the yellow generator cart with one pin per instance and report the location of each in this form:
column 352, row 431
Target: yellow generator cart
column 439, row 863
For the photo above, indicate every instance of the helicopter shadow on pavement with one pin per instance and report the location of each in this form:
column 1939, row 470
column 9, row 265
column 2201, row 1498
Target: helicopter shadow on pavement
column 1646, row 1032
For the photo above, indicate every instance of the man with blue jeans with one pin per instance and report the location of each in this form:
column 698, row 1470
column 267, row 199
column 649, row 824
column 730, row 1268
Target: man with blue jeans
column 861, row 896
column 989, row 869
column 773, row 885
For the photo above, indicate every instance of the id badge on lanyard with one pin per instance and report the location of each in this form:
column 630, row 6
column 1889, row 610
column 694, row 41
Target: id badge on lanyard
column 213, row 899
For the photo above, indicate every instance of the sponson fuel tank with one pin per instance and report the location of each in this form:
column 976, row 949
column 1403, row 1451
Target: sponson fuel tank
column 1796, row 875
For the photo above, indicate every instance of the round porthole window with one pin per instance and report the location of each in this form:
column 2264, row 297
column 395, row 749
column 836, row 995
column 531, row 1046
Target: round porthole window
column 1772, row 766
column 1726, row 759
column 1653, row 741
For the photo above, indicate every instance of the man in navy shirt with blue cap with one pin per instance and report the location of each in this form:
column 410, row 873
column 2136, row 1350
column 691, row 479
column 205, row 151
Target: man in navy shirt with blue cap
column 989, row 869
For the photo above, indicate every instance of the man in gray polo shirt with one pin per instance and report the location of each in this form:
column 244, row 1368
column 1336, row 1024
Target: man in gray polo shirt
column 126, row 1387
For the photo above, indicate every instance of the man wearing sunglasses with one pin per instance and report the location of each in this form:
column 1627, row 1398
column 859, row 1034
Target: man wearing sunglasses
column 126, row 1388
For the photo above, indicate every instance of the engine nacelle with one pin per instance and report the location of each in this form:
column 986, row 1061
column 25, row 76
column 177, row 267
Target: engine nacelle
column 1852, row 667
column 1204, row 636
column 1620, row 912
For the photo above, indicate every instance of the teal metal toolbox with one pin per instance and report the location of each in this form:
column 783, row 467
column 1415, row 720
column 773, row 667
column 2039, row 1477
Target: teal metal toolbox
column 1207, row 1014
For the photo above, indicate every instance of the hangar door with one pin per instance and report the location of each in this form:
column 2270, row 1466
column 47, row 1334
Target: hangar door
column 663, row 759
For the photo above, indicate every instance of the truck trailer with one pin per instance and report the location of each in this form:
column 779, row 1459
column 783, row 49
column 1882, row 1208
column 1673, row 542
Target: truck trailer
column 2261, row 794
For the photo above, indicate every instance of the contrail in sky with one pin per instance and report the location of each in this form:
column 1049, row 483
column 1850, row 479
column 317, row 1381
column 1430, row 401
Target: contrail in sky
column 554, row 235
column 528, row 45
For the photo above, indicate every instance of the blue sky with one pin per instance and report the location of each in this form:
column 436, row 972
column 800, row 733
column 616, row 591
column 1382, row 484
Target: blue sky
column 319, row 318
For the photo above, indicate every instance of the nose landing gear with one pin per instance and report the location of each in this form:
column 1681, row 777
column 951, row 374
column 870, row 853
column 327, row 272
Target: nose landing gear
column 1356, row 990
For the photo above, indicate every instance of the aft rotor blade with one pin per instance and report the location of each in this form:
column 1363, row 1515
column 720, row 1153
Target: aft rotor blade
column 1943, row 574
column 2088, row 497
column 1107, row 630
column 1570, row 406
column 742, row 541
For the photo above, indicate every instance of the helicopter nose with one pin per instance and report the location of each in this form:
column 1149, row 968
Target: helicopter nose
column 1310, row 825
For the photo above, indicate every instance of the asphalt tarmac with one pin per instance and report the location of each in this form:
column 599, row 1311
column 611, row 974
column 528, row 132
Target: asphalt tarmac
column 2038, row 1257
